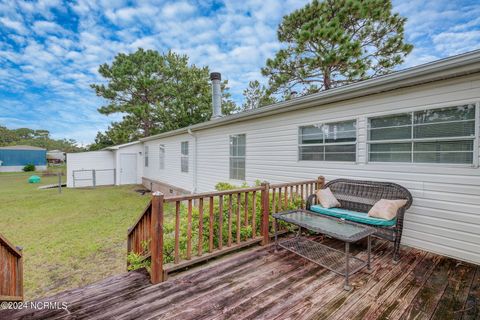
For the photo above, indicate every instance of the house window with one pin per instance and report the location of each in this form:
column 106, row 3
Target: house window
column 237, row 156
column 146, row 156
column 334, row 141
column 184, row 156
column 161, row 156
column 441, row 135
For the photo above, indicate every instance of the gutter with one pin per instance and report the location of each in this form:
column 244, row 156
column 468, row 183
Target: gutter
column 451, row 67
column 189, row 131
column 120, row 146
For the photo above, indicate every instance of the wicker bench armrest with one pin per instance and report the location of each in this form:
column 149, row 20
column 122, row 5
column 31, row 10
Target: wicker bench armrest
column 311, row 201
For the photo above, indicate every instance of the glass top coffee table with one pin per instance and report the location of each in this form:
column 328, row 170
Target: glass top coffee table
column 342, row 263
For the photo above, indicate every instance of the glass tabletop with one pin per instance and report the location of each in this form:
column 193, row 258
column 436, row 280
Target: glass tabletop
column 337, row 228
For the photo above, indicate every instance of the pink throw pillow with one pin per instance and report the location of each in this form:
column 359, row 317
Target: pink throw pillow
column 327, row 199
column 386, row 209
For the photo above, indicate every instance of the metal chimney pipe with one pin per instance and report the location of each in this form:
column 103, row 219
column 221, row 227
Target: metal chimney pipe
column 216, row 78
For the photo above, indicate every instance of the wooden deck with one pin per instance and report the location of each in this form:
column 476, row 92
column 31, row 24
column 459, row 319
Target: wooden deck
column 262, row 284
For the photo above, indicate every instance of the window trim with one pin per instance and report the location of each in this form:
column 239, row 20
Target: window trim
column 355, row 119
column 357, row 136
column 161, row 160
column 475, row 139
column 185, row 156
column 230, row 156
column 146, row 156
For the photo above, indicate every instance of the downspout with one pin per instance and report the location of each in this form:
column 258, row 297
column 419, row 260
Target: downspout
column 190, row 132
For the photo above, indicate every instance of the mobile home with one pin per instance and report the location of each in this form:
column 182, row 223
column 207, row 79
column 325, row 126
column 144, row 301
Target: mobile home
column 418, row 127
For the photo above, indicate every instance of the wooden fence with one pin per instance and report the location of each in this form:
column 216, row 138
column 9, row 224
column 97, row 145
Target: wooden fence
column 11, row 271
column 206, row 225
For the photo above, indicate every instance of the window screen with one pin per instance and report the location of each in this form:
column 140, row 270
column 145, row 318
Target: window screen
column 440, row 135
column 237, row 156
column 184, row 156
column 146, row 156
column 335, row 141
column 161, row 156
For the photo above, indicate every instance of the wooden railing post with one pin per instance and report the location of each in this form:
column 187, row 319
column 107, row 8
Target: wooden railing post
column 320, row 182
column 156, row 245
column 265, row 212
column 11, row 274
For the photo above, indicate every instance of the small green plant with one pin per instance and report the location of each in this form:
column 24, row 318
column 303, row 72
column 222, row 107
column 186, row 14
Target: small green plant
column 29, row 167
column 136, row 261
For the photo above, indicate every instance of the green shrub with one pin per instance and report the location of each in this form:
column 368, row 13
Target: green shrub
column 224, row 186
column 29, row 167
column 136, row 261
column 246, row 231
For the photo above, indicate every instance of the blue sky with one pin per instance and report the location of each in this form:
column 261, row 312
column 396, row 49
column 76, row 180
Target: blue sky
column 50, row 50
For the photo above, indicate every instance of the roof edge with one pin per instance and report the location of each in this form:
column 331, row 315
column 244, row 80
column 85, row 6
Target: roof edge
column 23, row 147
column 119, row 146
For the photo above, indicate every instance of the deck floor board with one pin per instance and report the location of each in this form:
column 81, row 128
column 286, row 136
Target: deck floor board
column 264, row 284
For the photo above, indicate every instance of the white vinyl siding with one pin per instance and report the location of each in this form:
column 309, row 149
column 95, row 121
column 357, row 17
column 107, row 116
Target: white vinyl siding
column 103, row 161
column 161, row 156
column 237, row 156
column 184, row 156
column 439, row 135
column 146, row 156
column 171, row 174
column 334, row 141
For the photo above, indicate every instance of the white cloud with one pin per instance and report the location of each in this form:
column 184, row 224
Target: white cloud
column 177, row 10
column 18, row 39
column 44, row 27
column 439, row 27
column 125, row 16
column 419, row 56
column 148, row 42
column 452, row 43
column 14, row 25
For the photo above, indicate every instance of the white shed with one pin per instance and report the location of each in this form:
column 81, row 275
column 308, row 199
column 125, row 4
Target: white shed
column 116, row 165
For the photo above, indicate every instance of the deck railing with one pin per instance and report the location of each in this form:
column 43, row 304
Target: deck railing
column 139, row 233
column 11, row 271
column 179, row 231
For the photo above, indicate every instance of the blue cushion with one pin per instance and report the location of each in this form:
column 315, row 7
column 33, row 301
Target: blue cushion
column 354, row 216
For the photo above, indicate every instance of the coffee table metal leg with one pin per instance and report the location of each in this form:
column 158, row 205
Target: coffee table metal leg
column 347, row 258
column 299, row 232
column 275, row 232
column 369, row 249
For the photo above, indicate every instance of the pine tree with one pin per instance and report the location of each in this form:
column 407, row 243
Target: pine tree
column 335, row 42
column 256, row 96
column 156, row 93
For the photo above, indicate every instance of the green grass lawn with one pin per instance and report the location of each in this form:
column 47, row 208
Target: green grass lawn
column 69, row 239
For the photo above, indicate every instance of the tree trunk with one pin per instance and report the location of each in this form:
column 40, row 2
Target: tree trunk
column 327, row 81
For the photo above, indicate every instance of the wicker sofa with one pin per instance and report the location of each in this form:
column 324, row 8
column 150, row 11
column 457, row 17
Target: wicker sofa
column 359, row 196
